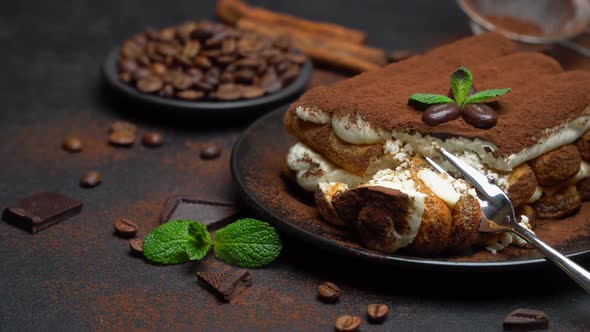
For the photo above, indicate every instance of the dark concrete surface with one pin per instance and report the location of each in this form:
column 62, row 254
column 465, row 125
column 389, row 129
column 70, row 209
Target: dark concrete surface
column 78, row 276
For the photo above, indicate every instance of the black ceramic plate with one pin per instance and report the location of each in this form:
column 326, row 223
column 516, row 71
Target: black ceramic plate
column 258, row 167
column 208, row 108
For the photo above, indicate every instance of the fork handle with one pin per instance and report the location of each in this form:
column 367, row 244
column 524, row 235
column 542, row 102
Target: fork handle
column 575, row 271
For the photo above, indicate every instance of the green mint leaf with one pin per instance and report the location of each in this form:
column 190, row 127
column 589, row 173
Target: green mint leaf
column 486, row 94
column 176, row 242
column 428, row 98
column 461, row 81
column 247, row 243
column 197, row 247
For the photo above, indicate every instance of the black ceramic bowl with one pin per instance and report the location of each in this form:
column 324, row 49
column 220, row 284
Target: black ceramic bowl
column 250, row 107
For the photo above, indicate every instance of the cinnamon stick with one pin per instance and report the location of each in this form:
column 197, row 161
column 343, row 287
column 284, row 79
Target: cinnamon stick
column 354, row 57
column 231, row 11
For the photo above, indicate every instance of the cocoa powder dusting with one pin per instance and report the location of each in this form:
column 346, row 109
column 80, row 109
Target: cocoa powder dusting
column 543, row 96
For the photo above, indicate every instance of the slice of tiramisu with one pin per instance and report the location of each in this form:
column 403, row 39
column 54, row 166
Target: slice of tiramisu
column 362, row 145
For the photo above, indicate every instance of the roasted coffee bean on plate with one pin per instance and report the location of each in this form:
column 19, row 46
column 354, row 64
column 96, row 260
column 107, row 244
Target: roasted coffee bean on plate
column 328, row 292
column 152, row 139
column 136, row 246
column 125, row 227
column 72, row 144
column 347, row 323
column 90, row 179
column 376, row 313
column 121, row 138
column 207, row 61
column 123, row 126
column 210, row 151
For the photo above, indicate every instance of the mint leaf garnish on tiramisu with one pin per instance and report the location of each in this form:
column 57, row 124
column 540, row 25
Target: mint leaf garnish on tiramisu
column 465, row 101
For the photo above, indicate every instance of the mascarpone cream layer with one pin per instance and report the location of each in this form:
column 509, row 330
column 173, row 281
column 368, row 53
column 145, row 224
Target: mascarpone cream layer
column 358, row 131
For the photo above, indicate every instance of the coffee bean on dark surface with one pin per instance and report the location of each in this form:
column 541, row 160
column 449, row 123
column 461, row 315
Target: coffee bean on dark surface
column 152, row 139
column 125, row 227
column 122, row 138
column 347, row 323
column 136, row 246
column 72, row 144
column 377, row 313
column 90, row 179
column 526, row 320
column 210, row 151
column 197, row 61
column 328, row 292
column 480, row 115
column 123, row 126
column 441, row 113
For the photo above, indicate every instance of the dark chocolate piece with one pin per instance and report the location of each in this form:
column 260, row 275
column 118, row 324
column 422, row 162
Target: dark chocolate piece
column 525, row 320
column 41, row 210
column 210, row 214
column 226, row 285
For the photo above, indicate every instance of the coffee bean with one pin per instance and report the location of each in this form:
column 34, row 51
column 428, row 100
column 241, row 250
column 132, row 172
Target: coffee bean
column 149, row 84
column 250, row 92
column 125, row 227
column 210, row 151
column 122, row 138
column 123, row 126
column 72, row 144
column 152, row 139
column 208, row 58
column 480, row 115
column 228, row 91
column 441, row 113
column 90, row 179
column 377, row 313
column 190, row 94
column 347, row 323
column 136, row 246
column 328, row 292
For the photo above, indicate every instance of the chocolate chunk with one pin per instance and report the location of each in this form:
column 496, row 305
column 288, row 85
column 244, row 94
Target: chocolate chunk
column 226, row 285
column 441, row 113
column 211, row 214
column 41, row 210
column 90, row 179
column 72, row 144
column 525, row 320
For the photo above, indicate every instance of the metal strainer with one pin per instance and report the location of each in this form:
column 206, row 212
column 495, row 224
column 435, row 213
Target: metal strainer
column 560, row 20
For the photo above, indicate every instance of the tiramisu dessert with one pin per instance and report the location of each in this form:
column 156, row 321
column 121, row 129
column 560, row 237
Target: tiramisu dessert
column 362, row 144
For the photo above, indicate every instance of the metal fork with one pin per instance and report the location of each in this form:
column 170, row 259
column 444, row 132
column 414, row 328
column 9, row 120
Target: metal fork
column 499, row 217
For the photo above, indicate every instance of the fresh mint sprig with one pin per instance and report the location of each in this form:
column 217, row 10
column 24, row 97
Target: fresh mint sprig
column 461, row 84
column 245, row 243
column 177, row 242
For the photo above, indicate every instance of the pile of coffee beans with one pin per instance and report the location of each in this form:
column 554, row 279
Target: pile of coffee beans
column 207, row 61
